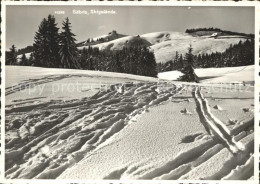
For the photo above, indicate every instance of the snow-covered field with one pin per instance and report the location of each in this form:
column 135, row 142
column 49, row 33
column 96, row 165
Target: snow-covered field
column 217, row 75
column 127, row 127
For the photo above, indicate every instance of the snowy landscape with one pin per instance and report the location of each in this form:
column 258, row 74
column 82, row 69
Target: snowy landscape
column 62, row 135
column 163, row 105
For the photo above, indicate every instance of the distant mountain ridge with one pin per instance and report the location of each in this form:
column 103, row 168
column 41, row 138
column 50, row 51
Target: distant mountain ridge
column 208, row 31
column 113, row 35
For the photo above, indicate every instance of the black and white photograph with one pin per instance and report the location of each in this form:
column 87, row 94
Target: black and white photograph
column 129, row 92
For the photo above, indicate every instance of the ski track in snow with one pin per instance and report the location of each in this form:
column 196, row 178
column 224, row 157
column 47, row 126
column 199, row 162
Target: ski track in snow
column 239, row 164
column 214, row 126
column 45, row 139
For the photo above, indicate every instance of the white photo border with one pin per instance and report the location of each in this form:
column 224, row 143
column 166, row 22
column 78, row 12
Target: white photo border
column 256, row 5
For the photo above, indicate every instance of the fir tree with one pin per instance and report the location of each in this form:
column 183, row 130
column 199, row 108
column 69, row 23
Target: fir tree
column 188, row 69
column 83, row 58
column 152, row 64
column 40, row 46
column 11, row 56
column 53, row 42
column 180, row 61
column 46, row 44
column 31, row 60
column 118, row 63
column 175, row 61
column 24, row 60
column 68, row 49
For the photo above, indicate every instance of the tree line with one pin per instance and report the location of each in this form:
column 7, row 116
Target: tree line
column 218, row 30
column 240, row 54
column 133, row 60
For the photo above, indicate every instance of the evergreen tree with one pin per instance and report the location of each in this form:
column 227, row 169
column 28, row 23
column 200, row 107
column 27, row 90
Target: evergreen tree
column 118, row 63
column 53, row 43
column 46, row 44
column 188, row 69
column 180, row 66
column 175, row 61
column 152, row 64
column 68, row 49
column 199, row 61
column 83, row 58
column 169, row 65
column 31, row 60
column 40, row 45
column 11, row 56
column 24, row 61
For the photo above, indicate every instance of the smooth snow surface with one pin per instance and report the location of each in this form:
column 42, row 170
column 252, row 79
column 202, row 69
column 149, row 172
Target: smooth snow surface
column 217, row 75
column 138, row 128
column 51, row 83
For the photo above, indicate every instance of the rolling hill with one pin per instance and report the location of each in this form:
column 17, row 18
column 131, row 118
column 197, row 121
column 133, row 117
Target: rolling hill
column 166, row 44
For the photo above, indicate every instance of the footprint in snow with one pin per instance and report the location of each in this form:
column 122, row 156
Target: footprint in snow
column 232, row 121
column 187, row 100
column 185, row 112
column 215, row 99
column 218, row 107
column 190, row 138
column 146, row 108
column 247, row 109
column 176, row 101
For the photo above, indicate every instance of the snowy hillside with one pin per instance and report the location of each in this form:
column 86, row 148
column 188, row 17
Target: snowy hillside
column 165, row 51
column 99, row 39
column 165, row 44
column 82, row 83
column 217, row 75
column 120, row 43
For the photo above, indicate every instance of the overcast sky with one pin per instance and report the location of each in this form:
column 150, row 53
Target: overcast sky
column 23, row 21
